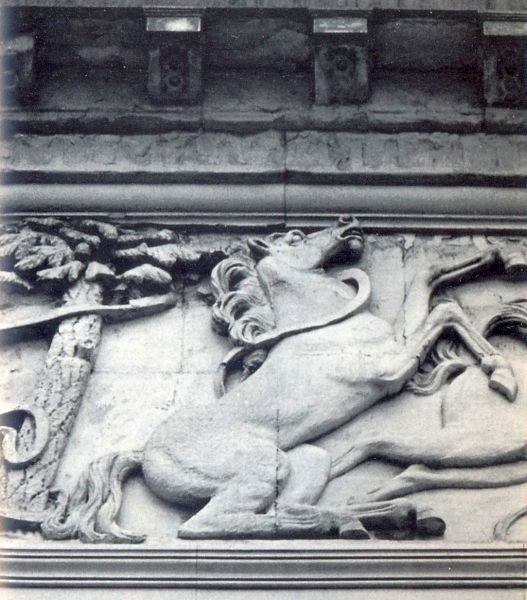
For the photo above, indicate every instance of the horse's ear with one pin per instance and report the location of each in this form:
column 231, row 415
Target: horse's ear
column 258, row 247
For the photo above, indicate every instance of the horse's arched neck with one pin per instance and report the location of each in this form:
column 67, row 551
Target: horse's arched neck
column 300, row 296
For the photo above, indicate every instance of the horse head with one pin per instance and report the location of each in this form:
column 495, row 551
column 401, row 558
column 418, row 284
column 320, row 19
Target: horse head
column 311, row 251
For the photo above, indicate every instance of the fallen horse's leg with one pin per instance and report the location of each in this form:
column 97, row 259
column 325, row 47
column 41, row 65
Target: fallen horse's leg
column 449, row 447
column 419, row 477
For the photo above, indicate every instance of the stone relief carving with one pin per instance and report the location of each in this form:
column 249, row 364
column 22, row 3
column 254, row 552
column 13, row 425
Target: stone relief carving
column 312, row 357
column 287, row 317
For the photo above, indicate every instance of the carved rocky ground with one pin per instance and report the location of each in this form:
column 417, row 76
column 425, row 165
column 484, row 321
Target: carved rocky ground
column 148, row 368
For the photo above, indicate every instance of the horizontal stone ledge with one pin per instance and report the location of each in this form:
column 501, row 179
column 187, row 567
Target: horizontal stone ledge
column 316, row 565
column 351, row 117
column 172, row 157
column 380, row 208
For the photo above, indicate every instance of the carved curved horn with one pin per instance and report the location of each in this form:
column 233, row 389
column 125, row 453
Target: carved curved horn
column 10, row 453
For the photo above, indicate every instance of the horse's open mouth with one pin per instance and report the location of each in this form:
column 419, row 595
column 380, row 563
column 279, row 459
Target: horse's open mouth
column 352, row 232
column 258, row 247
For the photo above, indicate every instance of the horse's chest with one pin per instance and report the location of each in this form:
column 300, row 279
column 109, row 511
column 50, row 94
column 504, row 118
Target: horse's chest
column 357, row 349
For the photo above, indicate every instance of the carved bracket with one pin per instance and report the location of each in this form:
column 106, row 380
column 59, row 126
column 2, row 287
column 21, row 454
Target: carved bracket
column 504, row 63
column 341, row 60
column 174, row 56
column 18, row 58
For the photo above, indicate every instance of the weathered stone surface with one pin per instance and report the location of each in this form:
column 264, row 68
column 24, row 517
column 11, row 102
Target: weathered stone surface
column 266, row 44
column 171, row 156
column 17, row 55
column 354, row 155
column 108, row 417
column 425, row 44
column 201, row 354
column 505, row 120
column 127, row 348
column 93, row 43
column 505, row 7
column 317, row 155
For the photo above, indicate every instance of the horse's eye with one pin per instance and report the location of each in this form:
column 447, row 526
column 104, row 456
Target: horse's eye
column 296, row 236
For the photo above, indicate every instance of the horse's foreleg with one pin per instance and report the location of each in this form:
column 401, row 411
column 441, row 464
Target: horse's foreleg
column 450, row 315
column 417, row 303
column 427, row 281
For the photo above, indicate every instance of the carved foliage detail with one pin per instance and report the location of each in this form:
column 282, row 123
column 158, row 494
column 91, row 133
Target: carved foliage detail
column 95, row 270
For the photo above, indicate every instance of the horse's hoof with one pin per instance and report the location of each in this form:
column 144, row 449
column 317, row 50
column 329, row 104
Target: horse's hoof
column 503, row 381
column 515, row 266
column 429, row 525
column 397, row 535
column 353, row 530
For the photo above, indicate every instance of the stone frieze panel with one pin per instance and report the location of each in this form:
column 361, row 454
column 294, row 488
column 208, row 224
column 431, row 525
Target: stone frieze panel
column 313, row 156
column 293, row 384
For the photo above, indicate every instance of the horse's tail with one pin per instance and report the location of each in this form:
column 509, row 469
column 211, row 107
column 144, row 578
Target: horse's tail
column 90, row 512
column 446, row 364
column 511, row 320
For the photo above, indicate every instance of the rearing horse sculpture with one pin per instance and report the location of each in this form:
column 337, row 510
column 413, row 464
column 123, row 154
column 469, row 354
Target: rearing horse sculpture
column 246, row 457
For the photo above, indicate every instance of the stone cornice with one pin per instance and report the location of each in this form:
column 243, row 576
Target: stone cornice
column 265, row 565
column 508, row 9
column 380, row 208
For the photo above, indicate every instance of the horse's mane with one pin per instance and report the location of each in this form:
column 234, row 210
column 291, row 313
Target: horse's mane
column 241, row 310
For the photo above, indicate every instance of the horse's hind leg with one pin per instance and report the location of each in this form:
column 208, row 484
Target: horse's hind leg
column 249, row 504
column 308, row 475
column 246, row 505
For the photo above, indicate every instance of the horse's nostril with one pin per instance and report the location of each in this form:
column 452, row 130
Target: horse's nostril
column 346, row 220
